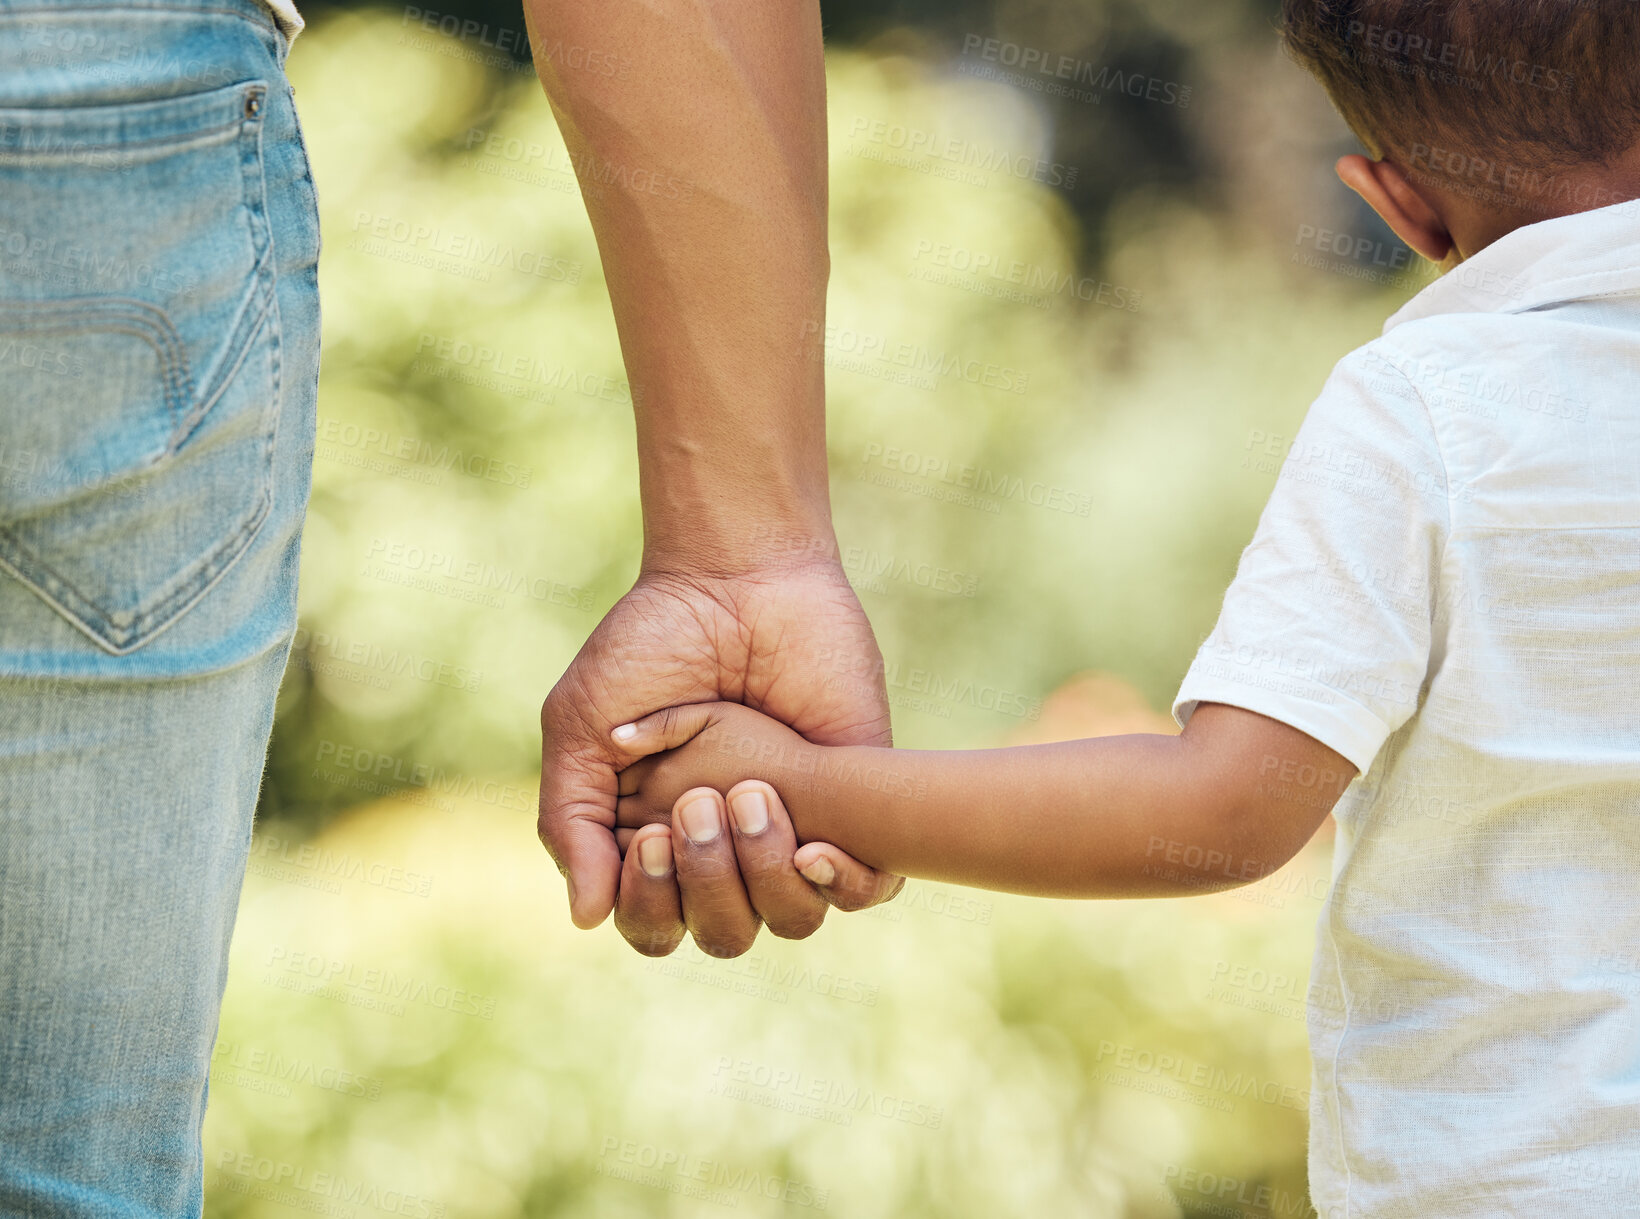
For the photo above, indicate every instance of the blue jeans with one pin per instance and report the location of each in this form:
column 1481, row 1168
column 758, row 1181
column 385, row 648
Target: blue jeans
column 158, row 372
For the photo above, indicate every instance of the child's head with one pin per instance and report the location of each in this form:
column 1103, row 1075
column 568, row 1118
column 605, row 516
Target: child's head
column 1490, row 113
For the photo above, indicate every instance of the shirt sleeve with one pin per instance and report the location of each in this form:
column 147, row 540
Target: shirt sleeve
column 1327, row 625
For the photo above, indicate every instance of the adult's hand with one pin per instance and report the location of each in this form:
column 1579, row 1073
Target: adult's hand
column 698, row 131
column 787, row 637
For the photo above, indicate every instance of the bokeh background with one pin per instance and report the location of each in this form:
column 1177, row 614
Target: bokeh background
column 1042, row 485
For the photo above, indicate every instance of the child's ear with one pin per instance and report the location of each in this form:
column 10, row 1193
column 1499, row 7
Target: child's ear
column 1387, row 192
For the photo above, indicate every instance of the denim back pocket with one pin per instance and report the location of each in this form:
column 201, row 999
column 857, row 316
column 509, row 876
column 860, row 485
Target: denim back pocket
column 139, row 354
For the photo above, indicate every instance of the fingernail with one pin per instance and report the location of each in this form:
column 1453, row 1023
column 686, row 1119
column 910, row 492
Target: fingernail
column 655, row 856
column 625, row 732
column 821, row 872
column 700, row 820
column 751, row 812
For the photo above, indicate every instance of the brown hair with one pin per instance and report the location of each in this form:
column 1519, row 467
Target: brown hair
column 1552, row 83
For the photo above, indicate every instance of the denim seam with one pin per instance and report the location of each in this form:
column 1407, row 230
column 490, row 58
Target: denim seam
column 179, row 143
column 277, row 344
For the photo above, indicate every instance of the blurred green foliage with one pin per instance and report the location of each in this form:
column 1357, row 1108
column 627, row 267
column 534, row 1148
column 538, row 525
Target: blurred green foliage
column 412, row 1025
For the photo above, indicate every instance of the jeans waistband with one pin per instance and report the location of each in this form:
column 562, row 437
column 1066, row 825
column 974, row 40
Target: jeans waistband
column 252, row 10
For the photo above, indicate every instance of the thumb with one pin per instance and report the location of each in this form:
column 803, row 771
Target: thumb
column 663, row 730
column 589, row 859
column 575, row 816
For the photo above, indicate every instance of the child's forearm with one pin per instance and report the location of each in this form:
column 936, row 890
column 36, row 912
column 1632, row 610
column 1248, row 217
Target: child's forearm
column 1126, row 816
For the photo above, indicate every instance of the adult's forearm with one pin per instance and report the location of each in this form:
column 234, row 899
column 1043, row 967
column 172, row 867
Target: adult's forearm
column 1124, row 816
column 697, row 128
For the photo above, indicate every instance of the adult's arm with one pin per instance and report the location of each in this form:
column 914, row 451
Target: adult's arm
column 697, row 128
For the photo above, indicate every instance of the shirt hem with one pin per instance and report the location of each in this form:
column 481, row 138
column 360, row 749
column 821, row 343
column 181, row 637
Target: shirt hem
column 1345, row 728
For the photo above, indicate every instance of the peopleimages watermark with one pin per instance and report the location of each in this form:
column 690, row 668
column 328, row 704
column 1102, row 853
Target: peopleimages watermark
column 973, row 486
column 411, row 457
column 1413, row 54
column 447, row 574
column 505, row 42
column 262, row 1070
column 372, row 664
column 988, row 273
column 376, row 988
column 1357, row 257
column 1055, row 75
column 466, row 255
column 761, row 977
column 1294, row 997
column 100, row 56
column 1216, row 1192
column 814, row 767
column 1493, row 181
column 1474, row 389
column 794, row 1090
column 694, row 1176
column 904, row 362
column 516, row 158
column 49, row 142
column 385, row 774
column 1163, row 1068
column 244, row 1172
column 1364, row 475
column 951, row 156
column 272, row 854
column 933, row 902
column 525, row 376
column 27, row 354
column 28, row 473
column 53, row 259
column 871, row 571
column 918, row 689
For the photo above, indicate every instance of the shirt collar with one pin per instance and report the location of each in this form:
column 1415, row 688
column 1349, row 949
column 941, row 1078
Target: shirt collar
column 1594, row 253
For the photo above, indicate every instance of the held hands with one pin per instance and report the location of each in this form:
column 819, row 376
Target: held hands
column 787, row 638
column 679, row 795
column 703, row 746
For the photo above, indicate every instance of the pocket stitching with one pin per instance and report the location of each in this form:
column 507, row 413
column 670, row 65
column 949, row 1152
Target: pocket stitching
column 198, row 578
column 183, row 143
column 233, row 358
column 191, row 583
column 176, row 119
column 75, row 315
column 80, row 611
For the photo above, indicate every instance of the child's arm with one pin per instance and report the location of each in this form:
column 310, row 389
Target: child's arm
column 1225, row 803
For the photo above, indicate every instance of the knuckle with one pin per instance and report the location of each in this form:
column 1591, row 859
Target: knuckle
column 762, row 860
column 710, row 868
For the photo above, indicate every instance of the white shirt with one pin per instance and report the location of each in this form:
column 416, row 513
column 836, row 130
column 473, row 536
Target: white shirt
column 1445, row 588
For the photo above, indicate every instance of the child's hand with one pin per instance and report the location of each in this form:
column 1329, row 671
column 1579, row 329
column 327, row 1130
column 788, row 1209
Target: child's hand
column 713, row 745
column 692, row 808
